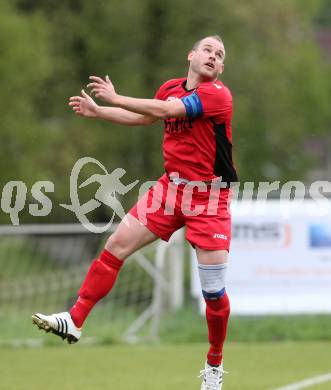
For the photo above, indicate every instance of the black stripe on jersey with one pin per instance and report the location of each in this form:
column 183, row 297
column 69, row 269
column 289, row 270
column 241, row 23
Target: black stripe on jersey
column 223, row 160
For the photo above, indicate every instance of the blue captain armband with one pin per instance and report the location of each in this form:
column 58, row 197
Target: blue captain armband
column 192, row 105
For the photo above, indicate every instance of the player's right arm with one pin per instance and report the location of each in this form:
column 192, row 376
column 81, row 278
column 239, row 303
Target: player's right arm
column 85, row 106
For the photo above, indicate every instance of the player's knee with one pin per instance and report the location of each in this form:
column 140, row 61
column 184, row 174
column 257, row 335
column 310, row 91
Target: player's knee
column 117, row 244
column 212, row 257
column 212, row 278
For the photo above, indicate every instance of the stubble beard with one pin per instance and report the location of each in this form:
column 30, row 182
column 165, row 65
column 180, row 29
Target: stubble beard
column 203, row 74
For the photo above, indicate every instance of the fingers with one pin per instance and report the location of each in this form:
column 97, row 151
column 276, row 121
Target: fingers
column 99, row 95
column 99, row 92
column 96, row 91
column 98, row 88
column 75, row 98
column 95, row 85
column 79, row 98
column 77, row 110
column 73, row 103
column 97, row 79
column 79, row 103
column 84, row 94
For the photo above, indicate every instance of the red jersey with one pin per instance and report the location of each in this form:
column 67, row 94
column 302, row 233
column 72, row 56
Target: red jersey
column 199, row 145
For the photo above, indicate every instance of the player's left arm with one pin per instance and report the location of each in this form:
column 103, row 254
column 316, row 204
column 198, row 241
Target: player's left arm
column 104, row 90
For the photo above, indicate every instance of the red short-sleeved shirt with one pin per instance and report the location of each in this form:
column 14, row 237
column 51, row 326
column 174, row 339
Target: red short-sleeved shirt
column 199, row 145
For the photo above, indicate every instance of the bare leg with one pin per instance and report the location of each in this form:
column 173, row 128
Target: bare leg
column 211, row 257
column 129, row 236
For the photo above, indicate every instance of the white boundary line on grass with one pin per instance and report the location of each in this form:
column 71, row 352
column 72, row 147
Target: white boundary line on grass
column 307, row 382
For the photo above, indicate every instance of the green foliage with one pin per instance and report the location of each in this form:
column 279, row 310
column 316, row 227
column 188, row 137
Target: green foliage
column 279, row 79
column 323, row 15
column 24, row 66
column 274, row 67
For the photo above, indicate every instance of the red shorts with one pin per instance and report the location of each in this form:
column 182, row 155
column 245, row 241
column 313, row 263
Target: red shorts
column 205, row 212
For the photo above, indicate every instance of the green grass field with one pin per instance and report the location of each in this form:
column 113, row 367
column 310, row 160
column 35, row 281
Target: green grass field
column 251, row 366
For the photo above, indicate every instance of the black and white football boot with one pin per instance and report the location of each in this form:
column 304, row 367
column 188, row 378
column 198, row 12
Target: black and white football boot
column 60, row 324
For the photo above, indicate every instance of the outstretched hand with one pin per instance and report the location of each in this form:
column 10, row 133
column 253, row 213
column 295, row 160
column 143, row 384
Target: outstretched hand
column 102, row 89
column 84, row 105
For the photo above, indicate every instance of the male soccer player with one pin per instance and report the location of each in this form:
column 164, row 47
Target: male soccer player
column 197, row 149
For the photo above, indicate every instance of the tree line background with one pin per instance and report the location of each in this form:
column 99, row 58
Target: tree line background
column 276, row 67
